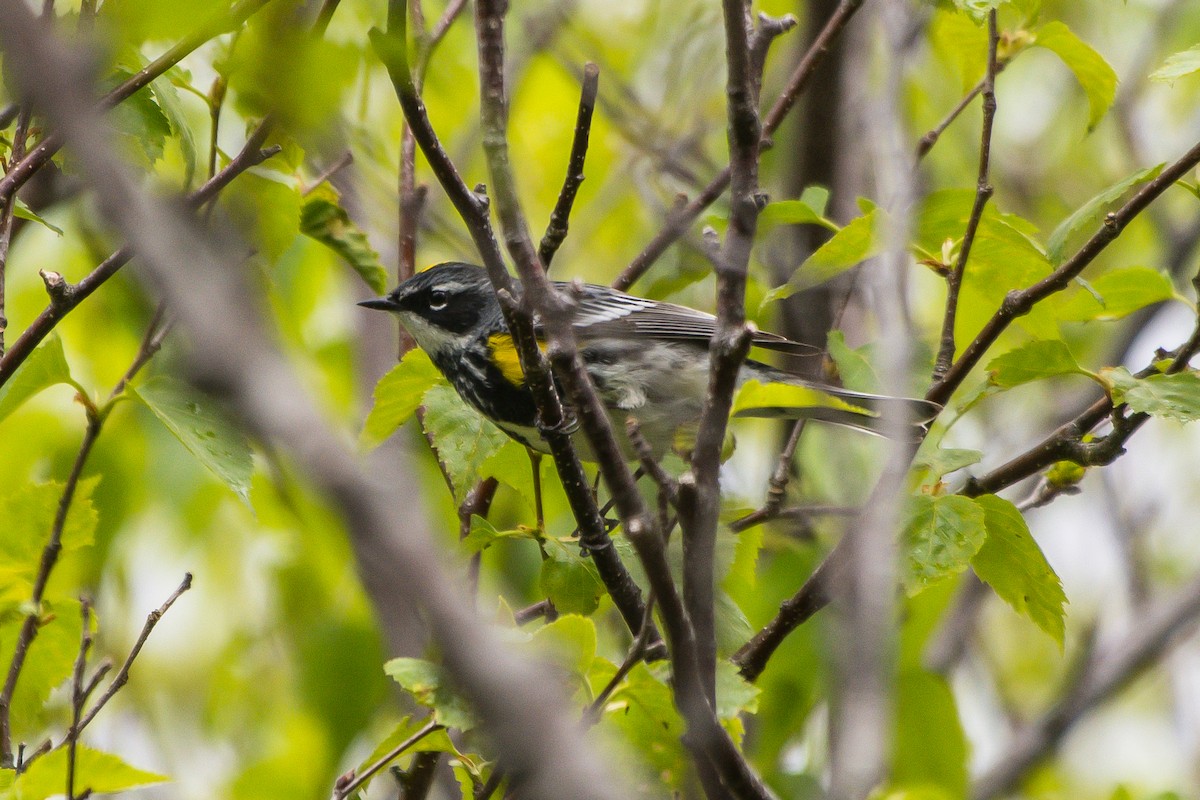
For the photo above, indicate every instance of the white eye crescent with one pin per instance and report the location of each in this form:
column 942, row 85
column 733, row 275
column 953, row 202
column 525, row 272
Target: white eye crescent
column 437, row 299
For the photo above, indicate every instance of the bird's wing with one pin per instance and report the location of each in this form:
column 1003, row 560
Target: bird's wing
column 604, row 312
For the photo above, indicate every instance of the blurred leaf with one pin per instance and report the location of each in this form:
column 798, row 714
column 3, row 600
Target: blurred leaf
column 1178, row 65
column 1033, row 361
column 266, row 207
column 463, row 438
column 931, row 748
column 643, row 712
column 141, row 122
column 757, row 399
column 1011, row 562
column 849, row 247
column 735, row 695
column 102, row 773
column 1091, row 212
column 398, row 395
column 1174, row 396
column 855, row 370
column 938, row 462
column 569, row 581
column 569, row 641
column 425, row 681
column 1094, row 74
column 172, row 108
column 1116, row 294
column 46, row 366
column 484, row 534
column 939, row 538
column 22, row 211
column 960, row 41
column 142, row 20
column 28, row 512
column 323, row 219
column 203, row 429
column 792, row 212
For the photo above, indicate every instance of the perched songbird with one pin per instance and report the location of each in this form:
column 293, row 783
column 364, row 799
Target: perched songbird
column 648, row 359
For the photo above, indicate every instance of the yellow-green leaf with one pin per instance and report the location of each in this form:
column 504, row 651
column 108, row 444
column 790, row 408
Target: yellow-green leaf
column 45, row 367
column 1178, row 65
column 1174, row 396
column 1091, row 211
column 1116, row 294
column 1098, row 79
column 940, row 537
column 99, row 772
column 463, row 437
column 1033, row 361
column 397, row 396
column 323, row 218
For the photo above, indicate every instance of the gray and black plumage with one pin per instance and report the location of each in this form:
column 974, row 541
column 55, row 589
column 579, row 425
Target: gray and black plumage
column 648, row 359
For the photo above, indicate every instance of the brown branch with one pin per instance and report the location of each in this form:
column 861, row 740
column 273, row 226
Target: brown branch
column 45, row 150
column 473, row 208
column 122, row 676
column 347, row 788
column 983, row 192
column 7, row 218
column 556, row 230
column 1021, row 301
column 65, row 297
column 776, row 486
column 700, row 499
column 678, row 223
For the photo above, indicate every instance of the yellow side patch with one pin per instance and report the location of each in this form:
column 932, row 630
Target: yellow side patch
column 504, row 356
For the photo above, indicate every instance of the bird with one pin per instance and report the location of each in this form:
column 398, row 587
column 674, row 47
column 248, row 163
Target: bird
column 648, row 360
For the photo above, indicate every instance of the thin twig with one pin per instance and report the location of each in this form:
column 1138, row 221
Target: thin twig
column 78, row 696
column 7, row 218
column 45, row 150
column 122, row 676
column 67, row 296
column 345, row 790
column 777, row 486
column 983, row 192
column 636, row 653
column 339, row 164
column 1021, row 301
column 678, row 223
column 556, row 231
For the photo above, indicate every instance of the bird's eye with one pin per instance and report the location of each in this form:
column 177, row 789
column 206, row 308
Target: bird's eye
column 437, row 299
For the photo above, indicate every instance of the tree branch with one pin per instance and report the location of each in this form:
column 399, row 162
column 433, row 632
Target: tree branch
column 678, row 223
column 983, row 192
column 556, row 231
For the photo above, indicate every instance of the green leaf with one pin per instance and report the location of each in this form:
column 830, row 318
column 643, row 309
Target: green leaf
column 463, row 437
column 143, row 126
column 850, row 246
column 1011, row 562
column 756, row 399
column 1174, row 396
column 938, row 462
column 397, row 396
column 1091, row 211
column 940, row 536
column 1033, row 361
column 735, row 694
column 201, row 428
column 322, row 218
column 569, row 580
column 853, row 367
column 569, row 642
column 1178, row 65
column 22, row 211
column 792, row 212
column 48, row 665
column 176, row 115
column 265, row 205
column 1094, row 74
column 931, row 748
column 643, row 712
column 435, row 742
column 484, row 534
column 28, row 513
column 425, row 681
column 1116, row 294
column 45, row 367
column 102, row 773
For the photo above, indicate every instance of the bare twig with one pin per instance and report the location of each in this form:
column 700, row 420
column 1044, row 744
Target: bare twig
column 344, row 790
column 65, row 297
column 678, row 223
column 45, row 150
column 122, row 676
column 556, row 231
column 77, row 692
column 339, row 164
column 635, row 654
column 777, row 486
column 7, row 217
column 983, row 192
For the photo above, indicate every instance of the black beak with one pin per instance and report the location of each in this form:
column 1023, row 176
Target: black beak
column 381, row 304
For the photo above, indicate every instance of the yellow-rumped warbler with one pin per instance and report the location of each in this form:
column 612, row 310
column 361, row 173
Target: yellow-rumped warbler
column 648, row 359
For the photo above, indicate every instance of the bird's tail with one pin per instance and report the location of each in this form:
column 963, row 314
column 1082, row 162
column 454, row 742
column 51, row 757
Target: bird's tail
column 773, row 394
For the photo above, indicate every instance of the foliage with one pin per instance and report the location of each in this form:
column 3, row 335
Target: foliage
column 275, row 671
